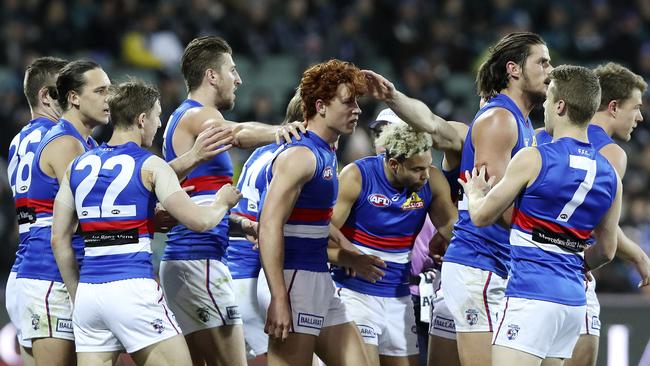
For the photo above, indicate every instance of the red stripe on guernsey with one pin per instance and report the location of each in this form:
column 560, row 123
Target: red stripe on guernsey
column 207, row 183
column 250, row 217
column 311, row 214
column 527, row 223
column 41, row 206
column 145, row 226
column 376, row 241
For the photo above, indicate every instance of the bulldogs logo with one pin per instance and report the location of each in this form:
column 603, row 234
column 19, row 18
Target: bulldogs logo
column 378, row 200
column 203, row 314
column 158, row 325
column 328, row 173
column 36, row 321
column 471, row 315
column 513, row 331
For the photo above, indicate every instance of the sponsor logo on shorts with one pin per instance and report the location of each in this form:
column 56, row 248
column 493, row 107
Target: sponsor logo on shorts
column 158, row 325
column 595, row 322
column 64, row 325
column 471, row 315
column 36, row 321
column 310, row 321
column 444, row 324
column 367, row 331
column 379, row 200
column 327, row 173
column 513, row 331
column 203, row 314
column 233, row 312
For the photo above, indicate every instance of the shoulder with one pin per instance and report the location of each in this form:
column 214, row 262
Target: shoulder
column 350, row 173
column 64, row 143
column 497, row 124
column 202, row 117
column 298, row 160
column 616, row 156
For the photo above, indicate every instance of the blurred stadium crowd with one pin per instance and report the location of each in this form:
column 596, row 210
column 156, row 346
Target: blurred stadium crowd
column 430, row 48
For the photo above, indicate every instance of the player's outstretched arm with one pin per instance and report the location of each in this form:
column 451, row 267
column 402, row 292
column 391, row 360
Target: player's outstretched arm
column 208, row 144
column 160, row 178
column 486, row 204
column 414, row 112
column 604, row 249
column 64, row 224
column 291, row 170
column 451, row 157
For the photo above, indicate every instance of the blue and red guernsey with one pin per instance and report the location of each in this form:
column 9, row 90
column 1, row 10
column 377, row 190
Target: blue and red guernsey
column 384, row 221
column 307, row 228
column 115, row 212
column 208, row 178
column 486, row 247
column 243, row 261
column 21, row 158
column 598, row 138
column 554, row 219
column 38, row 259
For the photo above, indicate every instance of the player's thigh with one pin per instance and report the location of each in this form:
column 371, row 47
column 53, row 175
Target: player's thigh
column 474, row 348
column 27, row 356
column 46, row 310
column 551, row 361
column 170, row 352
column 97, row 358
column 341, row 345
column 585, row 353
column 297, row 349
column 505, row 356
column 442, row 352
column 412, row 360
column 53, row 352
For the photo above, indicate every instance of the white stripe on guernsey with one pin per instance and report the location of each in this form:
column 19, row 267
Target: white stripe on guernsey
column 307, row 231
column 23, row 228
column 463, row 204
column 521, row 239
column 203, row 199
column 143, row 246
column 390, row 257
column 43, row 221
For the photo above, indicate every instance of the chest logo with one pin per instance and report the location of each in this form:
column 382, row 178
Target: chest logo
column 379, row 200
column 328, row 173
column 413, row 202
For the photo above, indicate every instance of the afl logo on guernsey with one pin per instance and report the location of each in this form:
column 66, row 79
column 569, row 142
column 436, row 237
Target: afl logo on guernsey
column 327, row 173
column 379, row 200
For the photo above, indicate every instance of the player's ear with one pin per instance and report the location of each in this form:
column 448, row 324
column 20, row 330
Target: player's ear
column 561, row 108
column 612, row 107
column 513, row 69
column 141, row 120
column 320, row 107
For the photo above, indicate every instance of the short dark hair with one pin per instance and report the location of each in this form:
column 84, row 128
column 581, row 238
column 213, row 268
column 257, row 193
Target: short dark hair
column 617, row 83
column 72, row 78
column 201, row 54
column 41, row 73
column 492, row 76
column 128, row 100
column 578, row 87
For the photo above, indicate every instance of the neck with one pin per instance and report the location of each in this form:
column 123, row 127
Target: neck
column 45, row 113
column 567, row 129
column 84, row 127
column 602, row 119
column 204, row 95
column 390, row 176
column 520, row 98
column 122, row 136
column 319, row 126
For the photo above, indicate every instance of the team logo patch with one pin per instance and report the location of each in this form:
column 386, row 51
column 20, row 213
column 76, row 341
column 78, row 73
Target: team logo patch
column 595, row 322
column 413, row 203
column 203, row 314
column 36, row 321
column 158, row 325
column 444, row 324
column 328, row 173
column 233, row 312
column 513, row 332
column 471, row 315
column 378, row 200
column 366, row 331
column 64, row 325
column 310, row 321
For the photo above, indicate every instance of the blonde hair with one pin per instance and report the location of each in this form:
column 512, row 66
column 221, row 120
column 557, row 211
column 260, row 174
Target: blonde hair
column 294, row 108
column 401, row 141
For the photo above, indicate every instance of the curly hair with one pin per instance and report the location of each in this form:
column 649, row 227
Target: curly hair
column 401, row 141
column 321, row 81
column 617, row 83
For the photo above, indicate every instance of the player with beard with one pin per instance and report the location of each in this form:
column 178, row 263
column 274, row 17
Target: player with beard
column 513, row 80
column 196, row 282
column 618, row 114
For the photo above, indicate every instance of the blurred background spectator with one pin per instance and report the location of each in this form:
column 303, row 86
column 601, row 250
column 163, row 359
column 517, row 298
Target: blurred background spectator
column 430, row 49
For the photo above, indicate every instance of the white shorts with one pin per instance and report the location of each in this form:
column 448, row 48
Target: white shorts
column 311, row 298
column 46, row 309
column 442, row 322
column 200, row 293
column 121, row 315
column 474, row 297
column 591, row 323
column 385, row 322
column 12, row 303
column 541, row 328
column 252, row 315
